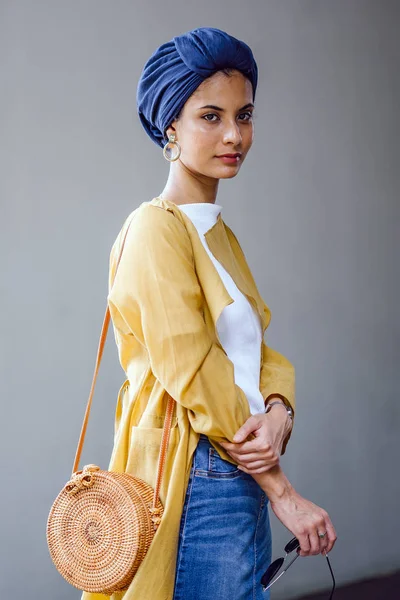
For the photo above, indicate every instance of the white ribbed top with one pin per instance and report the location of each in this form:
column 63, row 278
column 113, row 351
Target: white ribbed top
column 238, row 326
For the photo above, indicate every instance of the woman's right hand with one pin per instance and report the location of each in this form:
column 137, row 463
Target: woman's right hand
column 305, row 520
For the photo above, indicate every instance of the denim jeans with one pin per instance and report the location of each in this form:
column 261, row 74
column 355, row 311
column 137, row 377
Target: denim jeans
column 225, row 536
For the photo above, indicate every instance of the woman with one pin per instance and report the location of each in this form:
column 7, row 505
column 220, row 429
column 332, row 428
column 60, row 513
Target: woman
column 189, row 320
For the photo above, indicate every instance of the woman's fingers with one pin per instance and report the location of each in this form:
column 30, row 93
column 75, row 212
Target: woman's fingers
column 320, row 544
column 259, row 464
column 324, row 541
column 255, row 461
column 306, row 521
column 256, row 446
column 247, row 459
column 314, row 544
column 309, row 544
column 305, row 545
column 261, row 469
column 252, row 424
column 330, row 534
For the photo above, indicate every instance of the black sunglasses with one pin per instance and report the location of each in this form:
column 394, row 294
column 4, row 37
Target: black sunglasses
column 268, row 578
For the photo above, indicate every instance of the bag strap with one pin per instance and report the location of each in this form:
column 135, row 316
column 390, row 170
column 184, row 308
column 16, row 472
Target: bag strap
column 169, row 410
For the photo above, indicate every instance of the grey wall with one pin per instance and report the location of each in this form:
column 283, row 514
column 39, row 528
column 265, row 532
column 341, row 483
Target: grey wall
column 315, row 206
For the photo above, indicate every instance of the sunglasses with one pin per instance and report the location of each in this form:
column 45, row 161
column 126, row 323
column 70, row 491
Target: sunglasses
column 269, row 578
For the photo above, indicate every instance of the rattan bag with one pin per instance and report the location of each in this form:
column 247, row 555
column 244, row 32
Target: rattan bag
column 101, row 524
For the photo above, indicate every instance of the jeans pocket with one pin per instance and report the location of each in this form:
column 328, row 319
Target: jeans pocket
column 218, row 468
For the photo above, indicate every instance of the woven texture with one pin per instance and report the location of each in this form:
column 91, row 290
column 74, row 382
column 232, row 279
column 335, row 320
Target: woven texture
column 100, row 527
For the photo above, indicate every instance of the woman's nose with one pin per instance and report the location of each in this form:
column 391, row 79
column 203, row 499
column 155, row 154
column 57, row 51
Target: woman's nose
column 232, row 134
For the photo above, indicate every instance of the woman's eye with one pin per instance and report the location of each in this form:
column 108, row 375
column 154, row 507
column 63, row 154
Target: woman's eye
column 209, row 115
column 249, row 116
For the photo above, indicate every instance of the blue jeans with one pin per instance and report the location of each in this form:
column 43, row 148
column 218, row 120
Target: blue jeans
column 225, row 536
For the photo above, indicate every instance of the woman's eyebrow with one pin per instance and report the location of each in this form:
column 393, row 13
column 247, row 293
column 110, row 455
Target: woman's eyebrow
column 250, row 105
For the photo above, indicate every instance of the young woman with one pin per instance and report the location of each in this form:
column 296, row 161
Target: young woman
column 189, row 322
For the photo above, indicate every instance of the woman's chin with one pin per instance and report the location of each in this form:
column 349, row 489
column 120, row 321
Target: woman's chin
column 227, row 172
column 224, row 172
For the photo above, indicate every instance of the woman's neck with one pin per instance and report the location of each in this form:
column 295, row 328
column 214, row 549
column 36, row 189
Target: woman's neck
column 183, row 187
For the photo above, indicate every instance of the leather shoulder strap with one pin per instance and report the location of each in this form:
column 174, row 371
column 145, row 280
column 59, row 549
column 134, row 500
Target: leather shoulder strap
column 170, row 404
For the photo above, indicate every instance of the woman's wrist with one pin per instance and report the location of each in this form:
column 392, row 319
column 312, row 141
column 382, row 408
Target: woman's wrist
column 275, row 484
column 278, row 403
column 280, row 413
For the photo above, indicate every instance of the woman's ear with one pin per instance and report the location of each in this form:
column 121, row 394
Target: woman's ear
column 171, row 129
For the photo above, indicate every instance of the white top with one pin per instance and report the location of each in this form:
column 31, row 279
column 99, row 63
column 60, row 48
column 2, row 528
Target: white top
column 238, row 326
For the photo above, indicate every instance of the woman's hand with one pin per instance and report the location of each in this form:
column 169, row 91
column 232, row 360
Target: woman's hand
column 305, row 520
column 263, row 452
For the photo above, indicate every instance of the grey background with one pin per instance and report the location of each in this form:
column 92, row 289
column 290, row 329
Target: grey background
column 315, row 206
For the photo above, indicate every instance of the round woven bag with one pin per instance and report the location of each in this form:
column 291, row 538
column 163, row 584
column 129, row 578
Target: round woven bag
column 102, row 523
column 100, row 528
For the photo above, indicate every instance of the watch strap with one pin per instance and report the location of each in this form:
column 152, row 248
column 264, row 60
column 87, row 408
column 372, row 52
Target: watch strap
column 270, row 404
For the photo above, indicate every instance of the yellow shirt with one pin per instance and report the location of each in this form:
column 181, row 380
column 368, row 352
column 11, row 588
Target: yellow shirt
column 164, row 303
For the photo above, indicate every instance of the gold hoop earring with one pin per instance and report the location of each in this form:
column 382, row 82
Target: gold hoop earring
column 172, row 149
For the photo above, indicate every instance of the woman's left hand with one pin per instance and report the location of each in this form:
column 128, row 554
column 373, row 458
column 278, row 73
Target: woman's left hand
column 263, row 452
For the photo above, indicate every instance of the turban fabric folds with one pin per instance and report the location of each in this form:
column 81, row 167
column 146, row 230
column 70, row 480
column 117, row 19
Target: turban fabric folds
column 177, row 68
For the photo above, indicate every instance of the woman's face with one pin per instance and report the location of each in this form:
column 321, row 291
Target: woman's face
column 216, row 120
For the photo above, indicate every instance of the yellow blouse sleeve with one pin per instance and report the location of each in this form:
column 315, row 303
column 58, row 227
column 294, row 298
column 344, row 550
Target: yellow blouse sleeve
column 158, row 297
column 277, row 377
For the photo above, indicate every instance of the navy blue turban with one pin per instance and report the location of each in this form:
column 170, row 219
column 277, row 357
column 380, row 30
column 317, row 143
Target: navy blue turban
column 177, row 68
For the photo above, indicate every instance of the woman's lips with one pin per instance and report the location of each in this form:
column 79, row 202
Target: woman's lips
column 229, row 160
